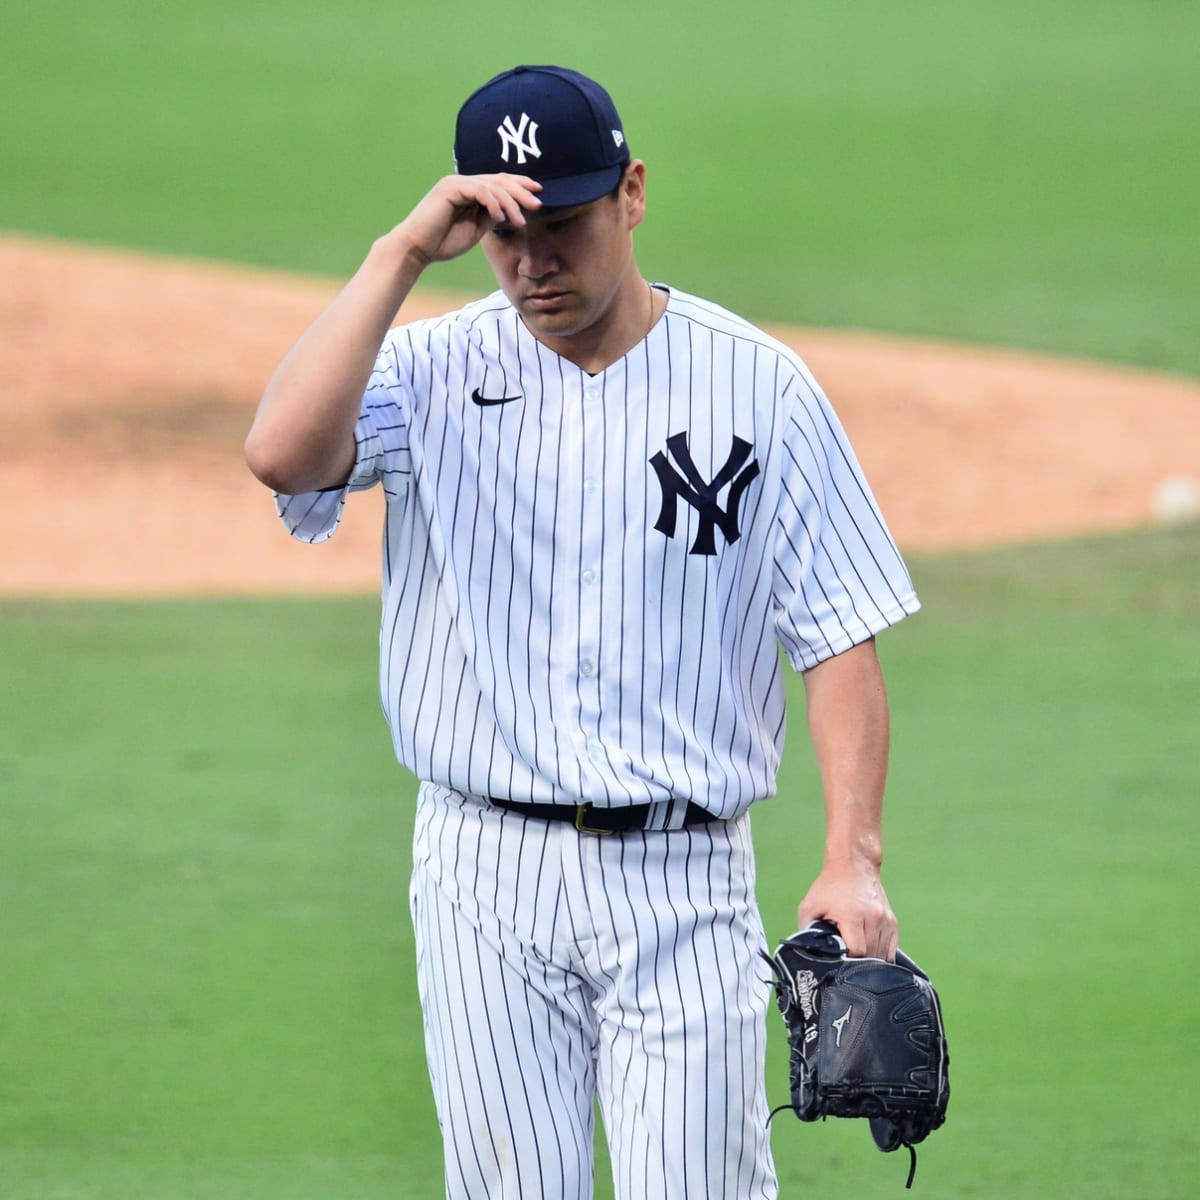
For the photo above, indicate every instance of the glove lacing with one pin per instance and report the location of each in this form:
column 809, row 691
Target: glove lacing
column 912, row 1150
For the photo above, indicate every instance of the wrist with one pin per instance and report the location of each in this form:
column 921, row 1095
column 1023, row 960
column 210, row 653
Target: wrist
column 863, row 851
column 399, row 254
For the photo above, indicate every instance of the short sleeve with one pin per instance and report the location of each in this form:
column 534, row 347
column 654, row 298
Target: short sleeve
column 839, row 578
column 381, row 448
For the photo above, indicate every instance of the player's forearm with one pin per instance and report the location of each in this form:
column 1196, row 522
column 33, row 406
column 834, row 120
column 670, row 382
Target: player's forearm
column 302, row 438
column 849, row 727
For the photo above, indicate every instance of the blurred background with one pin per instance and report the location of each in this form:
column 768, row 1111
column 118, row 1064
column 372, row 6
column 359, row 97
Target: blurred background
column 204, row 840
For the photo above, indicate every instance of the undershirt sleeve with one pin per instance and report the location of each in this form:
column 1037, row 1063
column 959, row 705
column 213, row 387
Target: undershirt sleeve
column 838, row 576
column 381, row 451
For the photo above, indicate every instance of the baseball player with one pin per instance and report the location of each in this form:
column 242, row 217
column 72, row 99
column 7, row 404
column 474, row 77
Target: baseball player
column 609, row 503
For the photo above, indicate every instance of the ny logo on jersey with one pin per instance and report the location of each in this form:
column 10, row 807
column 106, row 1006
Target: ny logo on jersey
column 700, row 495
column 514, row 136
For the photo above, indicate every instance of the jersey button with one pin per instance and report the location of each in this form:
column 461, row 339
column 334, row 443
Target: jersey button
column 589, row 486
column 587, row 667
column 589, row 576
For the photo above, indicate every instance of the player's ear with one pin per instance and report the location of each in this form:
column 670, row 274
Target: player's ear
column 632, row 194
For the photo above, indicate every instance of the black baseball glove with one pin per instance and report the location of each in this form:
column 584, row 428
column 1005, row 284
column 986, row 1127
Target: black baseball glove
column 866, row 1038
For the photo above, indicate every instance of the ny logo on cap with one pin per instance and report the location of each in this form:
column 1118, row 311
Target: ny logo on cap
column 515, row 137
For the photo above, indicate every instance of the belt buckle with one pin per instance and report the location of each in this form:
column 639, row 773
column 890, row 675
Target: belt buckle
column 581, row 811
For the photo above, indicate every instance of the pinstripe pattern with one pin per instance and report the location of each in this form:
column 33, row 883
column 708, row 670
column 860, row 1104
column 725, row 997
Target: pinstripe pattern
column 551, row 964
column 540, row 639
column 559, row 625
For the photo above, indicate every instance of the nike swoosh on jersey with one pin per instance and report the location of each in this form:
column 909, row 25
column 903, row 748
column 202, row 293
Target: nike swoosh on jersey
column 486, row 401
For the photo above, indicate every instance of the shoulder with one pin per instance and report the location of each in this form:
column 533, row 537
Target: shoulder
column 792, row 375
column 721, row 322
column 432, row 337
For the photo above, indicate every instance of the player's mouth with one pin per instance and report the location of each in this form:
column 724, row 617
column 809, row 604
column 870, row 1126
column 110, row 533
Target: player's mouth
column 544, row 301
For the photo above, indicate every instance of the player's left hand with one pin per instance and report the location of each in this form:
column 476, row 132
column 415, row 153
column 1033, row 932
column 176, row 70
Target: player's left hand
column 851, row 895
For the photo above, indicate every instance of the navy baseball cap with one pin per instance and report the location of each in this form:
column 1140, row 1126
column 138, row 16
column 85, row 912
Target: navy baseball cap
column 554, row 125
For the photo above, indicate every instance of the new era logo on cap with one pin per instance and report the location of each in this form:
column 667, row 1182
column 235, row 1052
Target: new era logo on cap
column 553, row 124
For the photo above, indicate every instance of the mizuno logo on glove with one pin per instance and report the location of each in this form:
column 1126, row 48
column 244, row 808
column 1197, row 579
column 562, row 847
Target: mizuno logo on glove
column 840, row 1024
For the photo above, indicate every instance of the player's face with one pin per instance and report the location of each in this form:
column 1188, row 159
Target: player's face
column 569, row 268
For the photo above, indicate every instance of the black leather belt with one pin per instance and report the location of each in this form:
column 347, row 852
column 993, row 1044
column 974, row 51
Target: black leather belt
column 589, row 819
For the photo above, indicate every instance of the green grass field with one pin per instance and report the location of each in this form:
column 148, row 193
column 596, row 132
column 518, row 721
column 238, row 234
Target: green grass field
column 1025, row 172
column 204, row 940
column 207, row 954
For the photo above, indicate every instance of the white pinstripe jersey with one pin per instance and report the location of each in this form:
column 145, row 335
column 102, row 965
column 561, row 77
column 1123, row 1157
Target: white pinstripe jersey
column 585, row 585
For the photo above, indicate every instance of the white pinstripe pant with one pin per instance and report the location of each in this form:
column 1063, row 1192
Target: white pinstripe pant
column 556, row 967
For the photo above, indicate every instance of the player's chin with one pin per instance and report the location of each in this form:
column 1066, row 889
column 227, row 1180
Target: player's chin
column 559, row 320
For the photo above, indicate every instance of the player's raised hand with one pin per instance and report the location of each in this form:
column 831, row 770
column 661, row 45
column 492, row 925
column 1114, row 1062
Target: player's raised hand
column 459, row 209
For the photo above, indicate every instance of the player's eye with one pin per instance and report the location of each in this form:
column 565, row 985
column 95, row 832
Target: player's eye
column 503, row 232
column 559, row 224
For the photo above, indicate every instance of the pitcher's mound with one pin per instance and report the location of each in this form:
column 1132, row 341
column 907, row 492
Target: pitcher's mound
column 130, row 382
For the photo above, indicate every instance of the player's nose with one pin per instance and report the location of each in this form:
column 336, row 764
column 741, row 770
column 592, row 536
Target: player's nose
column 537, row 261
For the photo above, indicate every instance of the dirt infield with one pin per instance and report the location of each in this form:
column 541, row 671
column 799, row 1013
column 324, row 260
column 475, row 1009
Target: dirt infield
column 129, row 383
